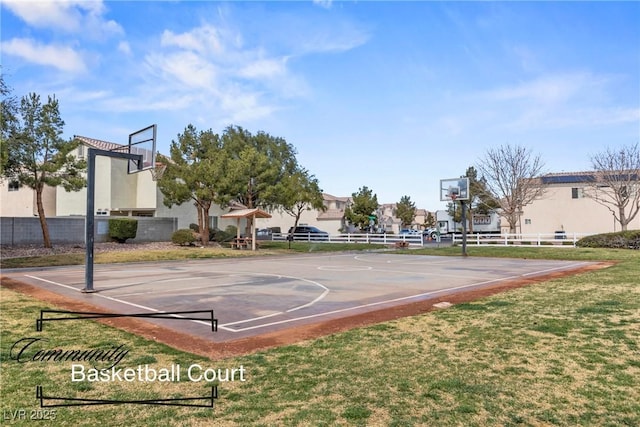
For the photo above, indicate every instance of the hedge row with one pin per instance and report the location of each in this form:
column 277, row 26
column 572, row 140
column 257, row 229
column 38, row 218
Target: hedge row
column 629, row 239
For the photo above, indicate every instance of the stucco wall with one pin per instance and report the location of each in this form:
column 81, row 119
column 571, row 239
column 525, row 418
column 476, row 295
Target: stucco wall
column 21, row 231
column 557, row 210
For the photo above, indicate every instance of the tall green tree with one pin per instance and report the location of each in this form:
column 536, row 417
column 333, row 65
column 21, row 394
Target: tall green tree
column 8, row 121
column 481, row 201
column 196, row 171
column 364, row 205
column 300, row 191
column 257, row 165
column 429, row 221
column 405, row 210
column 37, row 155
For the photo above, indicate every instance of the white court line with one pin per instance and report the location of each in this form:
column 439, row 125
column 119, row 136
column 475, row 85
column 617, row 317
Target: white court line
column 408, row 259
column 225, row 326
column 118, row 300
column 373, row 304
column 53, row 283
column 155, row 292
column 566, row 267
column 309, row 304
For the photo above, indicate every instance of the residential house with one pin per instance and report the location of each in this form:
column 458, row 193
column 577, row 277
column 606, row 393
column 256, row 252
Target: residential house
column 330, row 220
column 20, row 201
column 387, row 221
column 565, row 206
column 117, row 193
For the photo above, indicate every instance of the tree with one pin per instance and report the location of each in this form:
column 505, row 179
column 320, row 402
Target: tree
column 481, row 201
column 511, row 175
column 405, row 210
column 8, row 122
column 195, row 172
column 37, row 155
column 616, row 183
column 365, row 203
column 300, row 191
column 429, row 221
column 257, row 165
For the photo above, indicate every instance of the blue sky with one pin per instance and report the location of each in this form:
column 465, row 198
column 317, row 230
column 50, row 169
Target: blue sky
column 390, row 95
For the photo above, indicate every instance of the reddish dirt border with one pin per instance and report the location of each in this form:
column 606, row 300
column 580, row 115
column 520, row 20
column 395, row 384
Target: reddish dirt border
column 216, row 351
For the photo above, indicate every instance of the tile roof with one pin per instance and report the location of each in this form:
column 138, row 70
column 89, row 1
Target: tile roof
column 327, row 196
column 101, row 145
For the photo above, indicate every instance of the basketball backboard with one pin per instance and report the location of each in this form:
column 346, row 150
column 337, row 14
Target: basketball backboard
column 454, row 189
column 143, row 143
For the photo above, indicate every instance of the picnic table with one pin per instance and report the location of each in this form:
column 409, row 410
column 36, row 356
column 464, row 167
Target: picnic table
column 241, row 243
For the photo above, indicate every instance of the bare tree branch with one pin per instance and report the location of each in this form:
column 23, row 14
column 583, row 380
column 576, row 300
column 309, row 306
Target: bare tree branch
column 616, row 183
column 512, row 178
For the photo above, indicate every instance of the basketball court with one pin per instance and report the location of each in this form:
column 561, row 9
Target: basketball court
column 262, row 300
column 271, row 294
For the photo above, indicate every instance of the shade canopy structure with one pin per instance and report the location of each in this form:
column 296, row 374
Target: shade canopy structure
column 247, row 213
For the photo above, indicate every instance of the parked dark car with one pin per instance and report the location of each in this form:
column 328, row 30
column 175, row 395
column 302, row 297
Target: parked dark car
column 267, row 233
column 306, row 232
column 264, row 234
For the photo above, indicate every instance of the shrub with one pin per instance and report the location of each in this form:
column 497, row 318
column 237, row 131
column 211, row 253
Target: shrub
column 225, row 236
column 629, row 239
column 194, row 227
column 183, row 237
column 121, row 229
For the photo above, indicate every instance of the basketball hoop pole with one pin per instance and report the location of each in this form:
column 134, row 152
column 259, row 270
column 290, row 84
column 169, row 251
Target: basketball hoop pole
column 89, row 222
column 463, row 206
column 457, row 189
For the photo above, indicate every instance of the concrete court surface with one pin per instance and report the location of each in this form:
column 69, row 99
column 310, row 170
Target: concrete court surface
column 254, row 296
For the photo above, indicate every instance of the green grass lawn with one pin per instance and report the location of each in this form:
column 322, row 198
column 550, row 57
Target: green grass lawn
column 560, row 353
column 184, row 252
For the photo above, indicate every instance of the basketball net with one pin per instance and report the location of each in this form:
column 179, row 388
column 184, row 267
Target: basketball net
column 156, row 172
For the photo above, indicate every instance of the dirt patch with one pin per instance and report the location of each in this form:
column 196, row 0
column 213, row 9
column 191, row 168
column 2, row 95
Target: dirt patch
column 216, row 351
column 19, row 251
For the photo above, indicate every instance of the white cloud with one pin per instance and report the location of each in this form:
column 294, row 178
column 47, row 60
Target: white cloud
column 324, row 3
column 63, row 58
column 124, row 47
column 186, row 68
column 552, row 89
column 333, row 40
column 219, row 73
column 263, row 68
column 203, row 40
column 569, row 100
column 73, row 16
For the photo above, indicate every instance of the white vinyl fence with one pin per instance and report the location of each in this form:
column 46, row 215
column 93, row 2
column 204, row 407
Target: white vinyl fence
column 539, row 239
column 417, row 240
column 412, row 239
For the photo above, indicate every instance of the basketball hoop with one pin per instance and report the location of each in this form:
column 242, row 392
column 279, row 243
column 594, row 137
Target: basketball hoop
column 453, row 196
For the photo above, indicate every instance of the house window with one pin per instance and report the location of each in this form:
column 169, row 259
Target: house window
column 213, row 223
column 14, row 185
column 577, row 193
column 81, row 151
column 527, row 221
